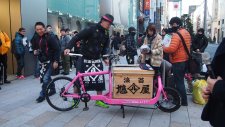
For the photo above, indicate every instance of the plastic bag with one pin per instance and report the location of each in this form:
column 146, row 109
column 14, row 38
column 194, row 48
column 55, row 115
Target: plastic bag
column 145, row 49
column 197, row 91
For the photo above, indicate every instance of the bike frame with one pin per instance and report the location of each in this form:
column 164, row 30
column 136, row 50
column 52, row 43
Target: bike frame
column 107, row 98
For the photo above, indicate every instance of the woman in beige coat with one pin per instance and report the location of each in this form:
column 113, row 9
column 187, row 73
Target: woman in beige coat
column 154, row 56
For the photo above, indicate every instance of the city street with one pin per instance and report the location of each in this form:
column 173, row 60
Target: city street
column 19, row 109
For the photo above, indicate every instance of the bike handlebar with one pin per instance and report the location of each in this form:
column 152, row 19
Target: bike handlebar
column 74, row 54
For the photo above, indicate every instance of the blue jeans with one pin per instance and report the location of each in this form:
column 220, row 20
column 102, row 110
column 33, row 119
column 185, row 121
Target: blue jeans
column 46, row 80
column 179, row 72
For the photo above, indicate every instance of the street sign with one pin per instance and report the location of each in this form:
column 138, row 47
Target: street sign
column 147, row 12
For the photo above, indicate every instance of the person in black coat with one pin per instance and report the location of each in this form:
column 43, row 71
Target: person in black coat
column 200, row 41
column 115, row 43
column 199, row 44
column 216, row 89
column 130, row 44
column 95, row 44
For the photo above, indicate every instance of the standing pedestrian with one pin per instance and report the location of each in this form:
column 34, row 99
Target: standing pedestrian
column 4, row 49
column 64, row 40
column 178, row 55
column 20, row 42
column 130, row 44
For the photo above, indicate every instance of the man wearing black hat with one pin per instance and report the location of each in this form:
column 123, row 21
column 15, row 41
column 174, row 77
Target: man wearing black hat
column 95, row 44
column 130, row 45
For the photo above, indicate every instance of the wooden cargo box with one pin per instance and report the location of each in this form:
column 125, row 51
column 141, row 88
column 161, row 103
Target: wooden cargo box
column 132, row 83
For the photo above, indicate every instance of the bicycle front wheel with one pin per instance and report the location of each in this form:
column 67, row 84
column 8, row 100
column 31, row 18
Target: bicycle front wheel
column 56, row 100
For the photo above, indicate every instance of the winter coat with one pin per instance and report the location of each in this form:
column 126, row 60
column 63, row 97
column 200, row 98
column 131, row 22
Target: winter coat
column 156, row 54
column 115, row 43
column 199, row 42
column 95, row 42
column 19, row 47
column 130, row 45
column 6, row 43
column 176, row 49
column 48, row 48
column 217, row 104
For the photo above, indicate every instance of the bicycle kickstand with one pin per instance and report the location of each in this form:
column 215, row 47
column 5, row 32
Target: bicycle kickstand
column 123, row 111
column 86, row 108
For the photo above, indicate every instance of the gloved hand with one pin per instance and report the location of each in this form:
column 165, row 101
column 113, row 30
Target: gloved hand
column 143, row 66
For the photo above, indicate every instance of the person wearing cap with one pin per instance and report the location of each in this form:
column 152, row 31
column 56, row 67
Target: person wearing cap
column 95, row 44
column 178, row 56
column 131, row 49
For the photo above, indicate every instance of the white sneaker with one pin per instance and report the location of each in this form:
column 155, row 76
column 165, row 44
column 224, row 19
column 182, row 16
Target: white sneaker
column 70, row 70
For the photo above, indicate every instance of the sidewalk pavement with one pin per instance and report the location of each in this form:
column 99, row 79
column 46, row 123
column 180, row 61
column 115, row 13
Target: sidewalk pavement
column 19, row 109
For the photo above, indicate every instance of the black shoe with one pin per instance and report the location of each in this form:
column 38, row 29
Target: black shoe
column 51, row 93
column 7, row 82
column 184, row 104
column 40, row 99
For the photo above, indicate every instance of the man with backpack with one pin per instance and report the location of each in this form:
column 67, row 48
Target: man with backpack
column 48, row 52
column 4, row 48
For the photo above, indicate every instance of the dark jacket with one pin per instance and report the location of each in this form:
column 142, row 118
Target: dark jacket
column 216, row 105
column 48, row 48
column 130, row 45
column 115, row 42
column 95, row 42
column 64, row 40
column 199, row 42
column 19, row 47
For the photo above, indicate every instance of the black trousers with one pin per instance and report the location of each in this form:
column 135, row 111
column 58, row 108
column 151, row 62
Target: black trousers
column 20, row 63
column 3, row 60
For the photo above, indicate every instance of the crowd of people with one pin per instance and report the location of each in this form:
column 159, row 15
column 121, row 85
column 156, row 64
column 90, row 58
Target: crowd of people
column 94, row 41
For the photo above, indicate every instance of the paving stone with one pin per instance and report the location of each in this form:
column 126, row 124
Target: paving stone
column 2, row 121
column 84, row 117
column 42, row 119
column 14, row 113
column 160, row 119
column 118, row 119
column 142, row 117
column 103, row 118
column 18, row 121
column 180, row 116
column 179, row 124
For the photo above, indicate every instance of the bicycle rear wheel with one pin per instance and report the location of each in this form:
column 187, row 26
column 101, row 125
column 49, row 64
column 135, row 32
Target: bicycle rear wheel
column 173, row 101
column 59, row 102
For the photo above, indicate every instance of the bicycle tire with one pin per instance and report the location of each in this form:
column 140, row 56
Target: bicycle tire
column 49, row 98
column 176, row 100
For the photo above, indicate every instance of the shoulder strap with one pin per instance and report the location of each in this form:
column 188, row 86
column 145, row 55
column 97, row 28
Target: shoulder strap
column 185, row 46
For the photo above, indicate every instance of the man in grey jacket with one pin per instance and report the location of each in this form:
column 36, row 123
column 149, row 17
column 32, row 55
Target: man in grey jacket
column 64, row 40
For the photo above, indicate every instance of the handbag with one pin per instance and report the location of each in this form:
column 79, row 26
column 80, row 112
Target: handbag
column 192, row 64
